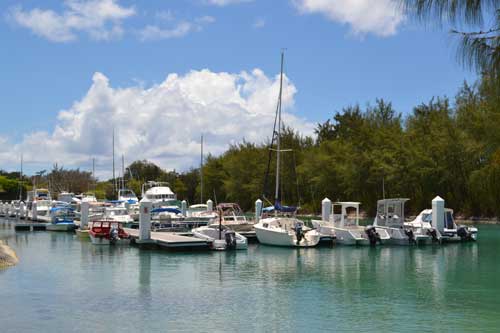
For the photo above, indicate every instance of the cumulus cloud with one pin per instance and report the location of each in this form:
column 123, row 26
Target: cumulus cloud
column 101, row 19
column 180, row 29
column 259, row 23
column 163, row 122
column 379, row 17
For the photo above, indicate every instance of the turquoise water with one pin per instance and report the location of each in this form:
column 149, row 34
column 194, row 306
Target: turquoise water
column 66, row 285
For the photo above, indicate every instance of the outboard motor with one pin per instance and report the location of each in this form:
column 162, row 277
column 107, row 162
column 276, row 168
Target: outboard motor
column 464, row 233
column 230, row 238
column 411, row 236
column 299, row 233
column 373, row 235
column 433, row 233
column 113, row 235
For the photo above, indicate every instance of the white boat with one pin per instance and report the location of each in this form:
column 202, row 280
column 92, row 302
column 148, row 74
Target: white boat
column 201, row 211
column 117, row 214
column 43, row 201
column 283, row 230
column 159, row 193
column 62, row 219
column 127, row 195
column 343, row 226
column 221, row 237
column 449, row 232
column 390, row 217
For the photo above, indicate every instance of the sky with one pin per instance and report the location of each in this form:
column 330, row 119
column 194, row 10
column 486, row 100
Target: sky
column 161, row 73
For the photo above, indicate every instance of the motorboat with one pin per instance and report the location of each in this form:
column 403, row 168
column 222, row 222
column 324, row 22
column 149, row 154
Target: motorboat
column 118, row 214
column 159, row 193
column 232, row 216
column 105, row 232
column 449, row 232
column 221, row 237
column 43, row 201
column 390, row 217
column 343, row 226
column 201, row 211
column 127, row 195
column 62, row 219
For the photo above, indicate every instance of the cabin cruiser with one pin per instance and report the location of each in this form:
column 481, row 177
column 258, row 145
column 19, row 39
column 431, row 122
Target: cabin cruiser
column 343, row 226
column 118, row 214
column 221, row 237
column 127, row 195
column 390, row 217
column 43, row 201
column 62, row 219
column 159, row 193
column 447, row 232
column 233, row 217
column 105, row 232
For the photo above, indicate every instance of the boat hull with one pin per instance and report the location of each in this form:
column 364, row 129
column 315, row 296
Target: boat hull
column 280, row 237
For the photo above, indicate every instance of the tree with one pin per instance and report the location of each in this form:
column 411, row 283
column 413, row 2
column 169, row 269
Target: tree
column 479, row 46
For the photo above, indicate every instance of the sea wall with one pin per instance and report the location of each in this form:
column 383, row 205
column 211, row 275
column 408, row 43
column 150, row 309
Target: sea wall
column 8, row 256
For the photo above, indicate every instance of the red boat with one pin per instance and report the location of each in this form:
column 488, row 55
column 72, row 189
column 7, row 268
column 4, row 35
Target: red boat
column 108, row 232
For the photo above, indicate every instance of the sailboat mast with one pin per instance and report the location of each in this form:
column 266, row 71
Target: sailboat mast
column 21, row 180
column 123, row 171
column 114, row 179
column 278, row 139
column 201, row 171
column 93, row 175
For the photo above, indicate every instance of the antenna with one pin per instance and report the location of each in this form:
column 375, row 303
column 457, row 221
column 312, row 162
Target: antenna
column 201, row 171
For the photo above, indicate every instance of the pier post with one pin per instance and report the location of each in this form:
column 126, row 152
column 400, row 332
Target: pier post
column 84, row 217
column 145, row 221
column 438, row 213
column 22, row 210
column 184, row 208
column 34, row 216
column 210, row 205
column 326, row 209
column 258, row 210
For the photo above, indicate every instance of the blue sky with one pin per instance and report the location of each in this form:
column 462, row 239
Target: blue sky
column 335, row 56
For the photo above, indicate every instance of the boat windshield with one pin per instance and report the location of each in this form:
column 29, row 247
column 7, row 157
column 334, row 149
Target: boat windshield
column 449, row 223
column 427, row 218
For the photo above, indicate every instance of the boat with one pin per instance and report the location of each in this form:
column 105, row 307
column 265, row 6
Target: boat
column 159, row 193
column 343, row 226
column 232, row 216
column 62, row 219
column 221, row 237
column 105, row 232
column 127, row 195
column 201, row 211
column 43, row 201
column 449, row 232
column 283, row 230
column 118, row 214
column 390, row 217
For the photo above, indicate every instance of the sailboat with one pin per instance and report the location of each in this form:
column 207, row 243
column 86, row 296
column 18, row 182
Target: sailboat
column 284, row 230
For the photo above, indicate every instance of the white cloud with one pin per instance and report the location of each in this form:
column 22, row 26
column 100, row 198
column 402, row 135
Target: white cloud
column 222, row 3
column 101, row 19
column 180, row 29
column 259, row 23
column 163, row 122
column 379, row 17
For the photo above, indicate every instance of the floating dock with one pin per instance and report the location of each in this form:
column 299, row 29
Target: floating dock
column 170, row 240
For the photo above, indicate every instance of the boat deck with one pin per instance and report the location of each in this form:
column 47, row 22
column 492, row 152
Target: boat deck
column 171, row 240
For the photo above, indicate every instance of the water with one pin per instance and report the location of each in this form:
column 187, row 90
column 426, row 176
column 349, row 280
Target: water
column 67, row 285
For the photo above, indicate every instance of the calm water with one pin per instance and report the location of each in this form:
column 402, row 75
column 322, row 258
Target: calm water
column 67, row 285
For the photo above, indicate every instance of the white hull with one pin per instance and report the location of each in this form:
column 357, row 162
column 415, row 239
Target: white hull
column 211, row 234
column 354, row 235
column 105, row 241
column 399, row 237
column 279, row 232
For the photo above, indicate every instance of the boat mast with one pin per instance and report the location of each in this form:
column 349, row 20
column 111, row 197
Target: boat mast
column 278, row 140
column 201, row 171
column 93, row 175
column 123, row 171
column 114, row 179
column 21, row 180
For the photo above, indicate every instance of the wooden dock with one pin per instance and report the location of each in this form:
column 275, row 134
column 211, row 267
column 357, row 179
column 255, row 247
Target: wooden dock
column 171, row 240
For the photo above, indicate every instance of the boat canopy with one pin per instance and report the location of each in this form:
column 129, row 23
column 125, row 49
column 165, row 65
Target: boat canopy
column 61, row 208
column 285, row 209
column 166, row 209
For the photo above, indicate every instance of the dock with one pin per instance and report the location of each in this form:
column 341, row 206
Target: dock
column 171, row 240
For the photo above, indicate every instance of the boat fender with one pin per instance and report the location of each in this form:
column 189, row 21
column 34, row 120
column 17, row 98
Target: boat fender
column 411, row 236
column 373, row 235
column 230, row 238
column 464, row 233
column 432, row 232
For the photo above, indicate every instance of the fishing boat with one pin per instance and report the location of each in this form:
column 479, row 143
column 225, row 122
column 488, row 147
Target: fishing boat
column 390, row 217
column 343, row 226
column 105, row 232
column 232, row 216
column 221, row 237
column 448, row 232
column 284, row 230
column 62, row 219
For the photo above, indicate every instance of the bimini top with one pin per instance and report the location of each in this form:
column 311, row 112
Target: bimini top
column 59, row 208
column 348, row 203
